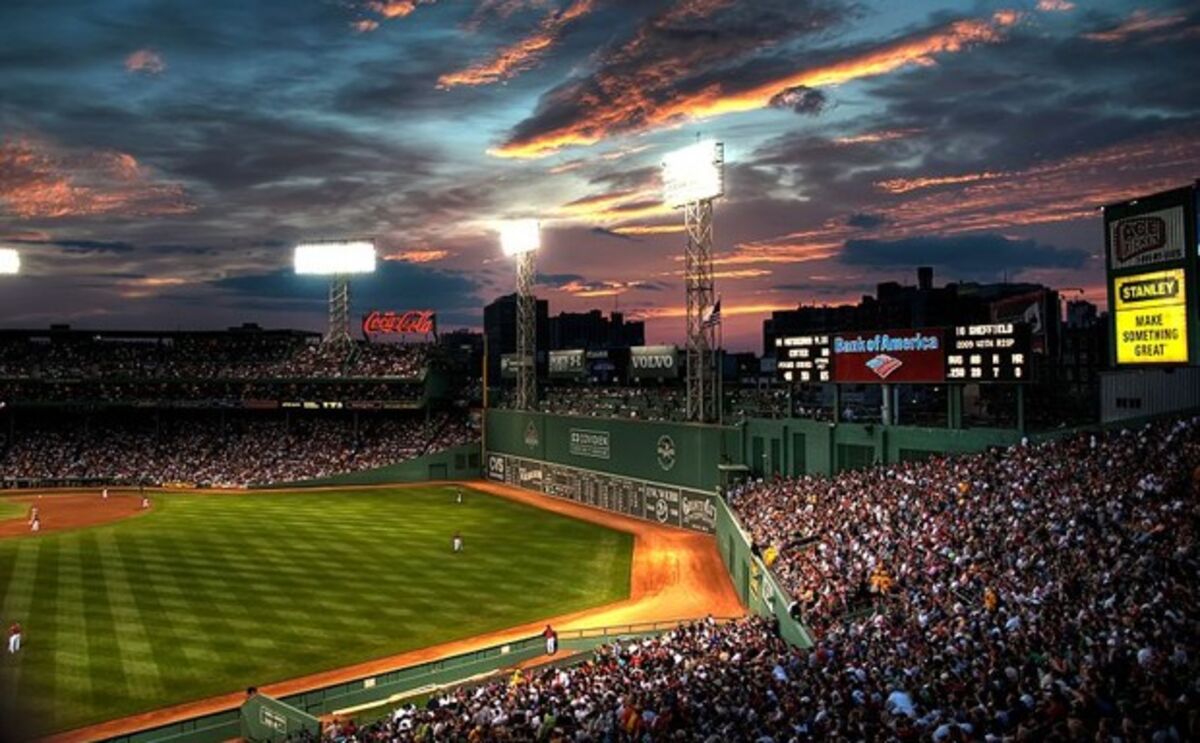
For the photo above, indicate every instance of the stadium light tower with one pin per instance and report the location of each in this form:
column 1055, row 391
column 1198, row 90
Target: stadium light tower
column 521, row 239
column 10, row 262
column 692, row 178
column 337, row 259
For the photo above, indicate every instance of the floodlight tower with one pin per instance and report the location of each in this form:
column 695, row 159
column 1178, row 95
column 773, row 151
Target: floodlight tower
column 337, row 259
column 10, row 262
column 692, row 178
column 520, row 239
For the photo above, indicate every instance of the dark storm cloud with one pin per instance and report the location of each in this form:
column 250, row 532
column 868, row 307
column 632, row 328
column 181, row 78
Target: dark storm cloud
column 558, row 279
column 394, row 284
column 604, row 232
column 866, row 220
column 84, row 247
column 684, row 48
column 963, row 255
column 801, row 99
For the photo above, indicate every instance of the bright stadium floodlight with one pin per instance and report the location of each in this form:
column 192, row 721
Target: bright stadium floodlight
column 521, row 239
column 519, row 236
column 692, row 178
column 694, row 173
column 10, row 261
column 337, row 259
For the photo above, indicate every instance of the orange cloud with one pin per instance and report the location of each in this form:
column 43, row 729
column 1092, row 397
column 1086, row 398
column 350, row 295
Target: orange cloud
column 728, row 309
column 417, row 256
column 521, row 56
column 1061, row 191
column 38, row 180
column 649, row 229
column 904, row 185
column 601, row 288
column 1049, row 6
column 146, row 61
column 883, row 135
column 385, row 10
column 1138, row 23
column 645, row 100
column 613, row 206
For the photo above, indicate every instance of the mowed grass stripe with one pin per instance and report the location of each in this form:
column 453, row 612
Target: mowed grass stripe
column 210, row 594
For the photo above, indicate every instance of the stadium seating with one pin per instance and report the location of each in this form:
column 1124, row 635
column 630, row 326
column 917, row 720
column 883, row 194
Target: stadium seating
column 1043, row 592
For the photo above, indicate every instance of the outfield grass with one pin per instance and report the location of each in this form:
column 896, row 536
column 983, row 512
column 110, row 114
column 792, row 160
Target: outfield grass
column 11, row 510
column 211, row 593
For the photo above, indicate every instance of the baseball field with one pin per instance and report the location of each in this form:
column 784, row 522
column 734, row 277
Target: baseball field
column 208, row 594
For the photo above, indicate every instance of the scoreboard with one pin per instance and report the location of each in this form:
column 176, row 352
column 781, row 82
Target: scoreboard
column 996, row 352
column 803, row 358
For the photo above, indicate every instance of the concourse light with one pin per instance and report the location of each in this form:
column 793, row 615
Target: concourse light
column 518, row 236
column 10, row 261
column 335, row 257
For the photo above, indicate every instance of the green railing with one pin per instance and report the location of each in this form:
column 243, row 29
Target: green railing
column 378, row 688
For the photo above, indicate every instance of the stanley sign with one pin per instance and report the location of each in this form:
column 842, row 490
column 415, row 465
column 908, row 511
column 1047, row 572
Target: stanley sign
column 1151, row 318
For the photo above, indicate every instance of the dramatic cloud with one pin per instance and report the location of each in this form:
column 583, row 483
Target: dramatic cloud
column 392, row 282
column 632, row 93
column 983, row 255
column 1138, row 24
column 522, row 55
column 146, row 61
column 42, row 181
column 801, row 99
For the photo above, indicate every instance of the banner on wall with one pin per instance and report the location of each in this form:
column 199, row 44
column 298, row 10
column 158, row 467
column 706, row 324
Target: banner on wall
column 891, row 357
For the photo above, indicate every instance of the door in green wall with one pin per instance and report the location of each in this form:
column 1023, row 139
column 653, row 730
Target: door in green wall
column 799, row 455
column 776, row 460
column 758, row 460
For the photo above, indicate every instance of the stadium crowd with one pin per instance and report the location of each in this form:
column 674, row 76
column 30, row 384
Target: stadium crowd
column 651, row 403
column 209, row 451
column 209, row 358
column 1041, row 592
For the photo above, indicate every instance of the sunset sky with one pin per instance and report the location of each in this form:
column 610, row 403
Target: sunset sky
column 159, row 159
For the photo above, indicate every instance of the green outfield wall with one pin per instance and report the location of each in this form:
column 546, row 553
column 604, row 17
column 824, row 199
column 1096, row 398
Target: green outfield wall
column 796, row 446
column 676, row 454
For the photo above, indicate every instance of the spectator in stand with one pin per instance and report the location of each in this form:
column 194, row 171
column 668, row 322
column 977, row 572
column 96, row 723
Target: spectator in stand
column 1041, row 592
column 231, row 452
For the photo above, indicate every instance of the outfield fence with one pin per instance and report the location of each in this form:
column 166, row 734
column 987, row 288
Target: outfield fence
column 378, row 689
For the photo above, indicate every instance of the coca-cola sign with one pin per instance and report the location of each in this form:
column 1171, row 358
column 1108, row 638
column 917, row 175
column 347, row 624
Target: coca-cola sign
column 421, row 322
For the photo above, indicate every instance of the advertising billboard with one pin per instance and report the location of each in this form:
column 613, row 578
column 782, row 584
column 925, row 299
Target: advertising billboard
column 509, row 366
column 892, row 357
column 388, row 322
column 1151, row 317
column 654, row 362
column 803, row 358
column 567, row 364
column 994, row 352
column 1146, row 239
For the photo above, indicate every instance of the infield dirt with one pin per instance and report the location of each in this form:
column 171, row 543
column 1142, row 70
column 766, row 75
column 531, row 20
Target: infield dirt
column 62, row 511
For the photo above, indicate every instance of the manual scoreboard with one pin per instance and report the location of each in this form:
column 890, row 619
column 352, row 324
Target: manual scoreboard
column 803, row 358
column 994, row 352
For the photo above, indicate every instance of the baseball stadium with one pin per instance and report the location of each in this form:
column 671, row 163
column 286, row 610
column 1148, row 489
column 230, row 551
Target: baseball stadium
column 574, row 371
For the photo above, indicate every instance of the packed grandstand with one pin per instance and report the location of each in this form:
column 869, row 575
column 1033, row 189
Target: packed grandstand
column 222, row 409
column 1040, row 592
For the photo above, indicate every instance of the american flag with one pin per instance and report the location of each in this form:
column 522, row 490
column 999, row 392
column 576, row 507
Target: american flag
column 713, row 315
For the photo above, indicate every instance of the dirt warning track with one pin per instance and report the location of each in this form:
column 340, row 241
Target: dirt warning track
column 675, row 575
column 73, row 510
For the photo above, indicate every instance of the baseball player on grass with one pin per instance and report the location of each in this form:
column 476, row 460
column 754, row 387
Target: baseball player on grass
column 457, row 542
